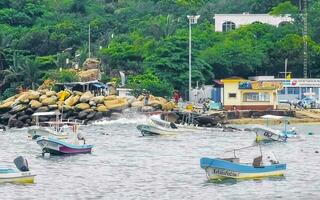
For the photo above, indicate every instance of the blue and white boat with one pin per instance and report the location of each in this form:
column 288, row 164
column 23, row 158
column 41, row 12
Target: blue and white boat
column 223, row 168
column 218, row 169
column 266, row 133
column 56, row 146
column 20, row 175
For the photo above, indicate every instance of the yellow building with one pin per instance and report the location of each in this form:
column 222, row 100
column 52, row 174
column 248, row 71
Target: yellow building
column 243, row 94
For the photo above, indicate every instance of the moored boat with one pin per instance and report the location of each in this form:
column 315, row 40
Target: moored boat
column 265, row 133
column 224, row 168
column 57, row 128
column 219, row 168
column 147, row 129
column 20, row 175
column 55, row 146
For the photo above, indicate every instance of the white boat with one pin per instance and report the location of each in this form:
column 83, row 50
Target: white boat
column 156, row 119
column 265, row 133
column 57, row 129
column 19, row 175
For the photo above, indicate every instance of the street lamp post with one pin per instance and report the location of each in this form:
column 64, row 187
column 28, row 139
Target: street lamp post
column 192, row 20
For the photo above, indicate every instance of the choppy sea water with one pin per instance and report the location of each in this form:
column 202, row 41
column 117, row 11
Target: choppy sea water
column 124, row 165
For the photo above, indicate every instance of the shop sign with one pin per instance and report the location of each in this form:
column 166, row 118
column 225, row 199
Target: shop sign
column 260, row 85
column 302, row 83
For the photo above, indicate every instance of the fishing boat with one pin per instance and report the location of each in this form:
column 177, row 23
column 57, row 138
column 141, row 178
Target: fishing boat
column 20, row 175
column 59, row 129
column 266, row 133
column 224, row 168
column 75, row 143
column 147, row 129
column 156, row 119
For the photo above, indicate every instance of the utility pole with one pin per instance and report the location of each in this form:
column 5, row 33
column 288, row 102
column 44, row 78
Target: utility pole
column 305, row 35
column 192, row 20
column 89, row 40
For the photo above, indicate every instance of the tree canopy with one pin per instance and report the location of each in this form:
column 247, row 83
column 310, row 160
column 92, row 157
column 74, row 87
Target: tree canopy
column 148, row 39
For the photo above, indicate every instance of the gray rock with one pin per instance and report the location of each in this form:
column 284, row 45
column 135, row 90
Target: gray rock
column 19, row 124
column 98, row 115
column 82, row 114
column 24, row 117
column 115, row 116
column 91, row 115
column 147, row 109
column 29, row 111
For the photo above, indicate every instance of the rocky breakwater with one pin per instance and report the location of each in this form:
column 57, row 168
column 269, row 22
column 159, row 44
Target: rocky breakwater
column 17, row 110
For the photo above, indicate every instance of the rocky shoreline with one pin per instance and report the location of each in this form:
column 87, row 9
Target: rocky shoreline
column 17, row 110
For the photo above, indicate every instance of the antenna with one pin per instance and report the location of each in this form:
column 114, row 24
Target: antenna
column 305, row 35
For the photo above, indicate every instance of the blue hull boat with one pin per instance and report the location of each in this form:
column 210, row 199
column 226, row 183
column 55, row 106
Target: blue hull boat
column 218, row 169
column 59, row 147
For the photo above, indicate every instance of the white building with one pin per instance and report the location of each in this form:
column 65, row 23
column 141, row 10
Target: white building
column 295, row 88
column 227, row 22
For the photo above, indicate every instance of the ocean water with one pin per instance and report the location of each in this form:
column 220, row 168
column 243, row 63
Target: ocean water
column 125, row 165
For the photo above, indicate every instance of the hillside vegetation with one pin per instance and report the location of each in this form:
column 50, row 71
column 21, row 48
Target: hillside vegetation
column 148, row 39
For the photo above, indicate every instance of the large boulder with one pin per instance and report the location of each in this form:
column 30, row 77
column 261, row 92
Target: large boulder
column 78, row 93
column 42, row 97
column 10, row 99
column 34, row 104
column 117, row 104
column 72, row 100
column 161, row 99
column 156, row 104
column 42, row 109
column 89, row 75
column 147, row 109
column 82, row 114
column 102, row 108
column 86, row 97
column 137, row 104
column 23, row 98
column 110, row 97
column 50, row 93
column 98, row 99
column 49, row 101
column 18, row 108
column 82, row 106
column 169, row 106
column 6, row 106
column 92, row 103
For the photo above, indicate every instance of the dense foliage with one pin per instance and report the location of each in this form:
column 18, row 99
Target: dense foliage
column 148, row 39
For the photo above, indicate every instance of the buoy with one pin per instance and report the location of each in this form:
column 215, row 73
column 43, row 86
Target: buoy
column 46, row 155
column 310, row 133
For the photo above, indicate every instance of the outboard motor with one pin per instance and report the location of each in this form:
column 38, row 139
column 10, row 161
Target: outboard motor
column 21, row 164
column 80, row 137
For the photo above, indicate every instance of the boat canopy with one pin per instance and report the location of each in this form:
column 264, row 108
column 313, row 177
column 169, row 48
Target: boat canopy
column 45, row 113
column 271, row 117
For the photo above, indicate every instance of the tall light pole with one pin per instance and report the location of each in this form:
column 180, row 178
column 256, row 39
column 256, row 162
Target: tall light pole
column 192, row 20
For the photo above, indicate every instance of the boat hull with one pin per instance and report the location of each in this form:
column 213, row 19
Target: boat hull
column 17, row 177
column 58, row 147
column 155, row 130
column 217, row 169
column 263, row 134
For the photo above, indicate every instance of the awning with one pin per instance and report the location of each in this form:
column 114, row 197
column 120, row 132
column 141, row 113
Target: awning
column 98, row 85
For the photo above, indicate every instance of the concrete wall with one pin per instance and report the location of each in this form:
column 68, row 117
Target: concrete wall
column 244, row 19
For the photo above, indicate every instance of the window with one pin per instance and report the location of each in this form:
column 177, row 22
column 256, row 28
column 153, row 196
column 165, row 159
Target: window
column 232, row 95
column 293, row 90
column 255, row 96
column 228, row 26
column 283, row 91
